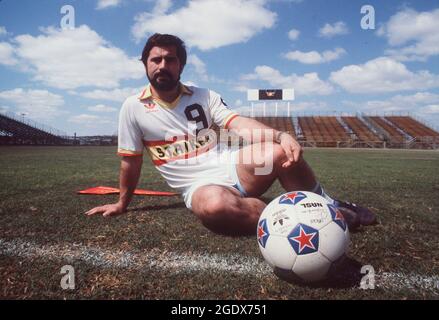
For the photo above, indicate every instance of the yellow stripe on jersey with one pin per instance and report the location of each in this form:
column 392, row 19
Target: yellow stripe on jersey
column 128, row 153
column 229, row 119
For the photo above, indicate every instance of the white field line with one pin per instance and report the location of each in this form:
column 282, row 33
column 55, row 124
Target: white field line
column 153, row 259
column 187, row 263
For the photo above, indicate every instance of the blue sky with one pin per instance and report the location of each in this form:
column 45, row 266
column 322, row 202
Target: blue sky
column 76, row 77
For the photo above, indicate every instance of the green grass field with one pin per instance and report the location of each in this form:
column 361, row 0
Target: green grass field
column 158, row 250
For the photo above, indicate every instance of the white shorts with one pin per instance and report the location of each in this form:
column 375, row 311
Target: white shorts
column 224, row 174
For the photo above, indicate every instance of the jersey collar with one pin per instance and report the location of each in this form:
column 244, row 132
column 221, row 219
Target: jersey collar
column 146, row 94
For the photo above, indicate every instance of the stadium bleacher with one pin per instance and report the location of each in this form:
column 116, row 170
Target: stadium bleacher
column 13, row 131
column 311, row 131
column 362, row 132
column 323, row 131
column 278, row 122
column 356, row 131
column 412, row 127
column 390, row 131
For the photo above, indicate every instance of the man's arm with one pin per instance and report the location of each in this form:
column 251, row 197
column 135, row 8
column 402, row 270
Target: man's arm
column 255, row 131
column 130, row 168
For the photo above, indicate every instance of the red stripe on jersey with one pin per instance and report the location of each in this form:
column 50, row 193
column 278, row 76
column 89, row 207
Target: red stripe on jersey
column 128, row 154
column 230, row 120
column 163, row 142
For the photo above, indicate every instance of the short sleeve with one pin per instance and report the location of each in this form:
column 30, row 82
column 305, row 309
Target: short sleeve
column 220, row 112
column 130, row 136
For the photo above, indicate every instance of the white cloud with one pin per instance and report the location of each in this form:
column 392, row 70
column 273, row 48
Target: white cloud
column 3, row 31
column 293, row 34
column 431, row 109
column 84, row 118
column 90, row 124
column 416, row 99
column 4, row 109
column 308, row 84
column 309, row 106
column 101, row 108
column 90, row 120
column 242, row 87
column 7, row 54
column 331, row 30
column 208, row 24
column 38, row 104
column 314, row 57
column 104, row 4
column 382, row 75
column 399, row 103
column 68, row 59
column 412, row 35
column 282, row 108
column 199, row 65
column 118, row 95
column 288, row 1
column 162, row 6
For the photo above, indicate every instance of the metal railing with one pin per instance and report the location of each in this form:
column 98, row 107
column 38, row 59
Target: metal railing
column 36, row 125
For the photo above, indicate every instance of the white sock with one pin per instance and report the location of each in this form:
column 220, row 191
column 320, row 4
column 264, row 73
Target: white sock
column 319, row 190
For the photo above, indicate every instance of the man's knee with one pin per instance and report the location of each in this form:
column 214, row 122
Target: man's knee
column 279, row 155
column 212, row 201
column 274, row 155
column 221, row 212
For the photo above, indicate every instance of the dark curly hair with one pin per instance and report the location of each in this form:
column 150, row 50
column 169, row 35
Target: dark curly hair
column 164, row 40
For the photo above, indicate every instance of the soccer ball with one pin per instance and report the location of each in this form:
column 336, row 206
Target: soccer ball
column 301, row 236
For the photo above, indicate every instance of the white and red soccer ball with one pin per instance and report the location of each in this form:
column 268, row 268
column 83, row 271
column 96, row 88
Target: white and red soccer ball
column 301, row 236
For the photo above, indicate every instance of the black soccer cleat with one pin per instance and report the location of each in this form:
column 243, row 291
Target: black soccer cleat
column 354, row 215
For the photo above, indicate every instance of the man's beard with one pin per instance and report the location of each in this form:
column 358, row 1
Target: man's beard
column 167, row 84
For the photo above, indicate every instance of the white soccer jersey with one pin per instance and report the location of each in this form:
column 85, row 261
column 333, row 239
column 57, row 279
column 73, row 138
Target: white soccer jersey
column 169, row 133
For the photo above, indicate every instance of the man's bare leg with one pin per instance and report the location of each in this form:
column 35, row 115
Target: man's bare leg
column 222, row 210
column 299, row 176
column 296, row 177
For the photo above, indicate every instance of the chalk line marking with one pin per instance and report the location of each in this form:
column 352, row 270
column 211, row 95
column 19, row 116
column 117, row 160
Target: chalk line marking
column 188, row 263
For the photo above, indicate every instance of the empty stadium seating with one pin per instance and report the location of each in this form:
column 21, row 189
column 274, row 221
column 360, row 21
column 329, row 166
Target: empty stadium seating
column 392, row 133
column 315, row 131
column 351, row 131
column 362, row 132
column 412, row 127
column 323, row 131
column 14, row 131
column 280, row 123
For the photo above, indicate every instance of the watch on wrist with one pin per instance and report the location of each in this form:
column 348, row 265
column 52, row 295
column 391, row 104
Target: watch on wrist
column 279, row 135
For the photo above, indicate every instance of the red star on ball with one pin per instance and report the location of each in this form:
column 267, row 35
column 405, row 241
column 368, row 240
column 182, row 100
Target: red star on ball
column 338, row 215
column 304, row 240
column 261, row 232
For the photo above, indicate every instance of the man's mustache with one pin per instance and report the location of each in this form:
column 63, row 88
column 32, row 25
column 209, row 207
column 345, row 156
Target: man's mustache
column 162, row 74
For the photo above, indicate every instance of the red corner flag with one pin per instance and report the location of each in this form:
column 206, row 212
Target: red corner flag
column 110, row 190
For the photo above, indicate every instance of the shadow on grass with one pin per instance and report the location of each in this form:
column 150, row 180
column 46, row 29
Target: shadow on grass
column 345, row 273
column 179, row 205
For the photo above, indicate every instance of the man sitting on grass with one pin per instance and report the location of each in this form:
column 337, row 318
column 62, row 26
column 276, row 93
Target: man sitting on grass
column 220, row 185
